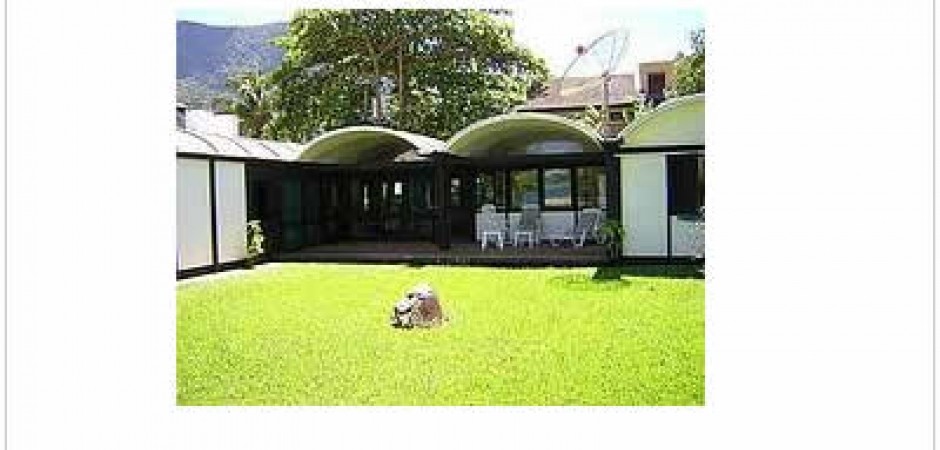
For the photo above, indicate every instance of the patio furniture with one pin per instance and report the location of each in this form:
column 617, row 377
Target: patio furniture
column 587, row 224
column 492, row 225
column 528, row 227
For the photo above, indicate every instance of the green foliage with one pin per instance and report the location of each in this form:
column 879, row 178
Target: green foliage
column 441, row 69
column 591, row 117
column 255, row 240
column 252, row 102
column 690, row 70
column 317, row 334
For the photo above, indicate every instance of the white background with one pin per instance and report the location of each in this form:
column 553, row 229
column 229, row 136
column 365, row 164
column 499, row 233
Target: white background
column 819, row 306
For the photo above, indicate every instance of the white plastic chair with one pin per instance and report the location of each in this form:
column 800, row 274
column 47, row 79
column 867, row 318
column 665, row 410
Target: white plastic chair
column 492, row 225
column 587, row 225
column 528, row 227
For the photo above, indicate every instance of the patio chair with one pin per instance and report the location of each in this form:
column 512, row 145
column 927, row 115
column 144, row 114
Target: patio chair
column 528, row 226
column 491, row 225
column 588, row 222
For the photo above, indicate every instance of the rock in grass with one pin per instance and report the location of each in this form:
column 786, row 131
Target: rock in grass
column 419, row 308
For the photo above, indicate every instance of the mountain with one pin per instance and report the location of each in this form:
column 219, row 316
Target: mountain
column 206, row 54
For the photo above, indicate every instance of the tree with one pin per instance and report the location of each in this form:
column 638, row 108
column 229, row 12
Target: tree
column 591, row 117
column 252, row 103
column 427, row 71
column 690, row 70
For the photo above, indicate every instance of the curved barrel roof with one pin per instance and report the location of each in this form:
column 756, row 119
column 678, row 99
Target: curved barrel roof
column 519, row 129
column 680, row 121
column 358, row 144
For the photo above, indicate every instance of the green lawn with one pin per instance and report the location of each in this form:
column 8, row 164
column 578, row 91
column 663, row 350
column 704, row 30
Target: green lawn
column 318, row 334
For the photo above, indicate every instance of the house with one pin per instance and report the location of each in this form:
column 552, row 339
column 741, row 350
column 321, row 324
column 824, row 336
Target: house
column 370, row 184
column 571, row 96
column 656, row 78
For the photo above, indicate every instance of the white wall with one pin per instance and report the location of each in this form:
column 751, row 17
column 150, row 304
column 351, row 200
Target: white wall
column 194, row 217
column 643, row 209
column 231, row 210
column 193, row 220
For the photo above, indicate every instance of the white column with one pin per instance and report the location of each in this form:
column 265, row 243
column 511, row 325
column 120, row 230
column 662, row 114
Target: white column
column 643, row 204
column 231, row 211
column 193, row 219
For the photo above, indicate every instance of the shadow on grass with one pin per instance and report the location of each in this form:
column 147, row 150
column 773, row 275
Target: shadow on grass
column 588, row 283
column 619, row 273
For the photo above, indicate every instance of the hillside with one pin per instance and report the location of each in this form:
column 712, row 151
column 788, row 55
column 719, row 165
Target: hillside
column 206, row 54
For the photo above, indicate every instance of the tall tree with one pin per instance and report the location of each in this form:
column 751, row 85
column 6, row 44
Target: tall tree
column 690, row 70
column 428, row 71
column 252, row 103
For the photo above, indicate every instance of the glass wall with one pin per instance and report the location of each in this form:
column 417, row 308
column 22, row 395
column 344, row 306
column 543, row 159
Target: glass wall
column 557, row 188
column 686, row 180
column 524, row 188
column 592, row 187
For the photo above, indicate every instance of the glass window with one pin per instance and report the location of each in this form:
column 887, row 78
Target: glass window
column 592, row 187
column 486, row 190
column 365, row 196
column 455, row 192
column 686, row 180
column 491, row 189
column 398, row 196
column 557, row 187
column 499, row 189
column 524, row 188
column 551, row 148
column 421, row 193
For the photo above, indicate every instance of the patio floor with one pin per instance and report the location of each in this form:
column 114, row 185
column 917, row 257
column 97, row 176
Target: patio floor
column 468, row 253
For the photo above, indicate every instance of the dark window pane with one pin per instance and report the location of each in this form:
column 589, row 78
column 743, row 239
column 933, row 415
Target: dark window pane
column 421, row 193
column 525, row 188
column 592, row 187
column 499, row 189
column 365, row 197
column 491, row 189
column 486, row 190
column 455, row 192
column 398, row 196
column 686, row 184
column 557, row 188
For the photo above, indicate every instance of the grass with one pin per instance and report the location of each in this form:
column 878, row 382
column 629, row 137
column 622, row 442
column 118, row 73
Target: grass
column 318, row 334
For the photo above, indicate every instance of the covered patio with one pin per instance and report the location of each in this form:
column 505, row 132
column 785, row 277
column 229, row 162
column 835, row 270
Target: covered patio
column 372, row 193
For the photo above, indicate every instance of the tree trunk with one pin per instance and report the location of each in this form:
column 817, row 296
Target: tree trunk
column 402, row 86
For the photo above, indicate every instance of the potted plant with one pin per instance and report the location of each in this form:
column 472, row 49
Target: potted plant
column 255, row 242
column 612, row 234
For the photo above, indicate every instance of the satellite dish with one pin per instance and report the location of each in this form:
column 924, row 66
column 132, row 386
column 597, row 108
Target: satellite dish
column 590, row 71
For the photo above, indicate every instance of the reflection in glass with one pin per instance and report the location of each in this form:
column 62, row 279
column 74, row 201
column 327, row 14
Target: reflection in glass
column 557, row 188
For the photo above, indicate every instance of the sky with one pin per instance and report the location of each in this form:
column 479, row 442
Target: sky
column 553, row 33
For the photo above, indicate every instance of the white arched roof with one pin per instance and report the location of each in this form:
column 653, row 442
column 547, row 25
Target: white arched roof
column 357, row 144
column 204, row 143
column 519, row 128
column 680, row 121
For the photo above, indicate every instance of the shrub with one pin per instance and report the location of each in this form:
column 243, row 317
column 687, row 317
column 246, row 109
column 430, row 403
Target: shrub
column 255, row 241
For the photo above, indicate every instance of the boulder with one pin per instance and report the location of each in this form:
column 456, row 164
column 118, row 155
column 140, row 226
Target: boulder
column 420, row 307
